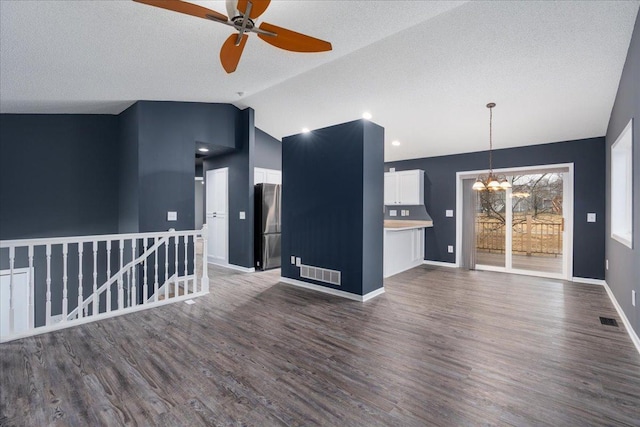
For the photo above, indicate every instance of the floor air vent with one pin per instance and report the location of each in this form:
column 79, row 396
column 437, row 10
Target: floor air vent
column 608, row 321
column 320, row 274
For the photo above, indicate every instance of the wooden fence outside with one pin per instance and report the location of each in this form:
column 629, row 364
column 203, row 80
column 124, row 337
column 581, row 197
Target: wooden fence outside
column 529, row 236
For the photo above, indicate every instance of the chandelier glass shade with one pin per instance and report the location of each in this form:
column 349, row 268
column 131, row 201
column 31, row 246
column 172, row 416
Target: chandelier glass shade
column 491, row 181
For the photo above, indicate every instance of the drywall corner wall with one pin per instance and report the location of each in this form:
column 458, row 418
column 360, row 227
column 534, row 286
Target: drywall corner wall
column 268, row 152
column 167, row 132
column 623, row 275
column 240, row 164
column 332, row 181
column 128, row 189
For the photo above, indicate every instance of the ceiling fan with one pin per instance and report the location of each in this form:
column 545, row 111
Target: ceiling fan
column 242, row 15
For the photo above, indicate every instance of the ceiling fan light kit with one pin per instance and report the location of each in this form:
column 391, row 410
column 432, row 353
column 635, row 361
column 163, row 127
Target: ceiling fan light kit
column 491, row 182
column 243, row 14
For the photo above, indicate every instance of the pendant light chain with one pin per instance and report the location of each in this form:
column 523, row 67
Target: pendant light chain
column 491, row 182
column 490, row 140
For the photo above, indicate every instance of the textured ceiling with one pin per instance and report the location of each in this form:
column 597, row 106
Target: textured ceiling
column 425, row 70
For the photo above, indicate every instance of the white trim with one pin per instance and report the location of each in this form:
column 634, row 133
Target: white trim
column 632, row 334
column 331, row 291
column 232, row 266
column 440, row 263
column 533, row 273
column 588, row 281
column 567, row 265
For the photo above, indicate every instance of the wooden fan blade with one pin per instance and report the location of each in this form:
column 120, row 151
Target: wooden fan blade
column 184, row 7
column 290, row 40
column 230, row 53
column 257, row 7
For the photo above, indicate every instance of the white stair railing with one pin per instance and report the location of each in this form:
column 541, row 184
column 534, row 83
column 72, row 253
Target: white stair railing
column 50, row 284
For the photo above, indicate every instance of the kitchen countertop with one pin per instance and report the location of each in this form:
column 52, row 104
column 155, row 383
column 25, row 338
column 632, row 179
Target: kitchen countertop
column 407, row 224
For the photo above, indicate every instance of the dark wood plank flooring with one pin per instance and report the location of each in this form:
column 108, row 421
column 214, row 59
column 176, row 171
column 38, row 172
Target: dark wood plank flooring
column 441, row 347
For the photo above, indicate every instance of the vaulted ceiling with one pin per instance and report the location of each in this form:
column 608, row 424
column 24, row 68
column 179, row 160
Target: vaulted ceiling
column 423, row 69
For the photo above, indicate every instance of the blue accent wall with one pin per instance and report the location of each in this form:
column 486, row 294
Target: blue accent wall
column 268, row 152
column 58, row 175
column 588, row 156
column 332, row 203
column 623, row 275
column 167, row 133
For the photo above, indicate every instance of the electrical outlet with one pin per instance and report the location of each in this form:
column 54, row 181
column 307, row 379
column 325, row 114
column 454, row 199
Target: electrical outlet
column 393, row 212
column 591, row 217
column 172, row 216
column 633, row 297
column 450, row 249
column 449, row 213
column 243, row 215
column 298, row 261
column 293, row 260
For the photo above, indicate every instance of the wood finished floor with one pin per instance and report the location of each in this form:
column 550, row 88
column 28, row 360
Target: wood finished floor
column 441, row 347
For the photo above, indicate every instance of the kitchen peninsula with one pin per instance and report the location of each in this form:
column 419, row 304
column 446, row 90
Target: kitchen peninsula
column 403, row 244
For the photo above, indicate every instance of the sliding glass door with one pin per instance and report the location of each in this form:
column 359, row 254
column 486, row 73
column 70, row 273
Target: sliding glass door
column 522, row 229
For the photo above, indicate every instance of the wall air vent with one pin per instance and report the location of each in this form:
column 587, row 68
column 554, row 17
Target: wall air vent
column 320, row 274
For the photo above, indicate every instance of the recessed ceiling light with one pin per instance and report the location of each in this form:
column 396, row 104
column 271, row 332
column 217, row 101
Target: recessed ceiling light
column 366, row 115
column 396, row 142
column 203, row 149
column 305, row 130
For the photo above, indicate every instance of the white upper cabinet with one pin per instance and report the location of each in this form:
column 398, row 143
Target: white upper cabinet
column 404, row 188
column 267, row 176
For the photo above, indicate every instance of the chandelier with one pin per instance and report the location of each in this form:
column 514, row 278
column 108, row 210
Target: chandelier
column 491, row 182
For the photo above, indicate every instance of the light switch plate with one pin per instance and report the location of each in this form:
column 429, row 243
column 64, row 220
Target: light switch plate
column 243, row 215
column 393, row 212
column 293, row 260
column 450, row 249
column 449, row 213
column 591, row 217
column 172, row 216
column 298, row 261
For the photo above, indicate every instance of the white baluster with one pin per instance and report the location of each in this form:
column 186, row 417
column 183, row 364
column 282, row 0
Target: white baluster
column 166, row 268
column 95, row 279
column 108, row 297
column 175, row 241
column 205, row 269
column 65, row 301
column 12, row 310
column 195, row 273
column 134, row 275
column 155, row 272
column 31, row 288
column 120, row 284
column 145, row 289
column 48, row 297
column 186, row 251
column 128, row 281
column 80, row 293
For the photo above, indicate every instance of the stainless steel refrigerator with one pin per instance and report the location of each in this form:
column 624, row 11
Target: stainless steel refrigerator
column 267, row 226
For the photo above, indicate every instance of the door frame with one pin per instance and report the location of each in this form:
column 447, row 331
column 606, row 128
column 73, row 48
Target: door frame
column 206, row 195
column 567, row 207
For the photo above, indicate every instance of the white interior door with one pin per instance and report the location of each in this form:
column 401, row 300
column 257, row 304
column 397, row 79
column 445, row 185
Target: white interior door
column 218, row 215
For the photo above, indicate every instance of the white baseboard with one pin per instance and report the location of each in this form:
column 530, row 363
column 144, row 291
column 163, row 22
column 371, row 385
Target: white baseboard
column 233, row 266
column 588, row 281
column 440, row 263
column 331, row 291
column 632, row 333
